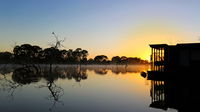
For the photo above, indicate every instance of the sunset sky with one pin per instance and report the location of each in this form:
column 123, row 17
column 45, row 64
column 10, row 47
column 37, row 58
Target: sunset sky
column 110, row 27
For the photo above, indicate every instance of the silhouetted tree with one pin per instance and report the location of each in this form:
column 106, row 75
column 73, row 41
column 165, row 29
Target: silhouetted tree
column 101, row 59
column 123, row 60
column 51, row 55
column 63, row 55
column 36, row 53
column 77, row 55
column 29, row 55
column 90, row 61
column 58, row 42
column 84, row 56
column 5, row 57
column 26, row 53
column 116, row 60
column 70, row 58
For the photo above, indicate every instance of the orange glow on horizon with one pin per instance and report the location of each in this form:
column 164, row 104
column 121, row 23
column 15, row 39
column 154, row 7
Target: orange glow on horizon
column 136, row 44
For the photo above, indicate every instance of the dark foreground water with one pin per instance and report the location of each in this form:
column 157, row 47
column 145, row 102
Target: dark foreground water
column 78, row 89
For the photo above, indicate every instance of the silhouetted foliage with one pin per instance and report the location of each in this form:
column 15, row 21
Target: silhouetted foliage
column 27, row 54
column 116, row 60
column 101, row 59
column 5, row 57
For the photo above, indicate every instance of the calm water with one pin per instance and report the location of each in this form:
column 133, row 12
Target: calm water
column 77, row 89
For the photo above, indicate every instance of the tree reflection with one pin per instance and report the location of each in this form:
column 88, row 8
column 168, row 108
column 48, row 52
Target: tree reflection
column 100, row 71
column 26, row 75
column 80, row 75
column 12, row 79
column 119, row 69
column 5, row 69
column 9, row 86
column 56, row 92
column 23, row 77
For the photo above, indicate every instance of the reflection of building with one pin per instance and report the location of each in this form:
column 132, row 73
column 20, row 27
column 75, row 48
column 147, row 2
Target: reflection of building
column 182, row 95
column 157, row 95
column 180, row 57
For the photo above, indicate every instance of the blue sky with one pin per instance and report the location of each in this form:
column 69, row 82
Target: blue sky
column 100, row 26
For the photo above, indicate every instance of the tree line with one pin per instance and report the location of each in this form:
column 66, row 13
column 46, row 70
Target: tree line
column 33, row 54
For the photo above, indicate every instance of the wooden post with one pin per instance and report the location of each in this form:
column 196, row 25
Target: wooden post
column 154, row 59
column 151, row 59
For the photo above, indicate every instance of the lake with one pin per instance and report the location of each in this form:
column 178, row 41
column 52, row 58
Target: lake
column 91, row 88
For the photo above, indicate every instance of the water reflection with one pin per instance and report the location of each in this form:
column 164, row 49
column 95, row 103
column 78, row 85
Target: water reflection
column 14, row 78
column 56, row 92
column 180, row 93
column 117, row 69
column 9, row 86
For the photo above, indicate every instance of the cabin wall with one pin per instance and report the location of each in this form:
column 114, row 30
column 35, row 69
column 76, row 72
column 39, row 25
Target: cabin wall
column 182, row 57
column 195, row 58
column 189, row 58
column 170, row 58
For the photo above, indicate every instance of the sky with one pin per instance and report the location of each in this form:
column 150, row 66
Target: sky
column 109, row 27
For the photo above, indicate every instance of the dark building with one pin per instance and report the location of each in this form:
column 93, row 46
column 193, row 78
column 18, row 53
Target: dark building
column 174, row 58
column 173, row 75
